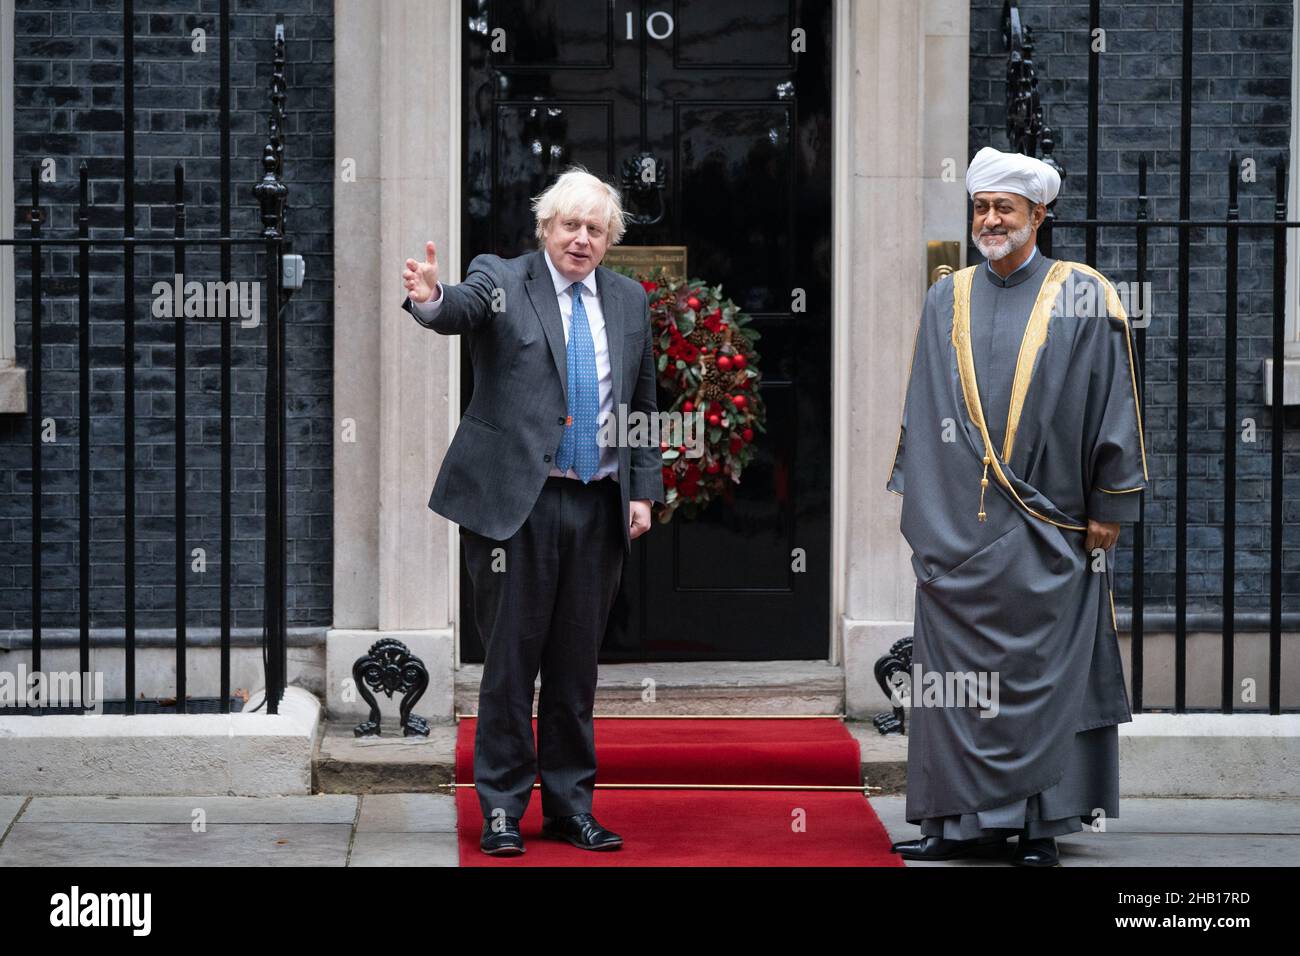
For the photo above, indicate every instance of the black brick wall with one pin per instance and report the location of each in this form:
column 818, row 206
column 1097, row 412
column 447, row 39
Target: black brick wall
column 1241, row 95
column 68, row 103
column 68, row 99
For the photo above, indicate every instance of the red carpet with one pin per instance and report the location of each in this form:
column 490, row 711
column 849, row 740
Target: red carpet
column 705, row 827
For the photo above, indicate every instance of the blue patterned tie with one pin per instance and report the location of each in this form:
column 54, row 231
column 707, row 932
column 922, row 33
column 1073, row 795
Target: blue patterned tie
column 578, row 448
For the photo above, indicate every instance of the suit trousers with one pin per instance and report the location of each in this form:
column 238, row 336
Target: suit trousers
column 542, row 600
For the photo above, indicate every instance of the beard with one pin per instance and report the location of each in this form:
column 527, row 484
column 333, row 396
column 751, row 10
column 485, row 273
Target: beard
column 995, row 251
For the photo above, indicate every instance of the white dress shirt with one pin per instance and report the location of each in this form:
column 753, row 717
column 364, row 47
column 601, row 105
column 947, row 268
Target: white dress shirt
column 600, row 340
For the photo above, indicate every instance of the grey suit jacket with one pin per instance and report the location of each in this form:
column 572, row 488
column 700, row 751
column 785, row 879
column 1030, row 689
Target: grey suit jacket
column 505, row 444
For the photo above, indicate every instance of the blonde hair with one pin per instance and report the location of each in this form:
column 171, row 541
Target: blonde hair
column 578, row 192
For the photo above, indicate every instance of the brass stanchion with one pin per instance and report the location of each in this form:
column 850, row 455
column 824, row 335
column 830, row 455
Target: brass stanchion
column 700, row 716
column 863, row 788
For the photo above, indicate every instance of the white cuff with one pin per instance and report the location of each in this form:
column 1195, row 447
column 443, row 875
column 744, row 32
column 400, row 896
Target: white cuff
column 430, row 308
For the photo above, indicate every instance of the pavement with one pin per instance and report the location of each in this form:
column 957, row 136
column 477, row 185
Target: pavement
column 419, row 829
column 1155, row 832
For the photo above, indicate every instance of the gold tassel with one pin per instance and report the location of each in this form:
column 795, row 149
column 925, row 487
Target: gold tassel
column 984, row 483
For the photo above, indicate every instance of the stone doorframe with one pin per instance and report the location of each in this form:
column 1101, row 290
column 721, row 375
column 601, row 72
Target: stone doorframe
column 900, row 102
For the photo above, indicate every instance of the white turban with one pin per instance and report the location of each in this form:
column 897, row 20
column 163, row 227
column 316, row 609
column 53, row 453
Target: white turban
column 995, row 171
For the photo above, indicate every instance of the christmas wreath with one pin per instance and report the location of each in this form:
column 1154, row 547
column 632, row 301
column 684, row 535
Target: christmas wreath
column 709, row 371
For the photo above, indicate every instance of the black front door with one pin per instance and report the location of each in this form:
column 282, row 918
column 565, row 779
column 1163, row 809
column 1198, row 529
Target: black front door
column 733, row 98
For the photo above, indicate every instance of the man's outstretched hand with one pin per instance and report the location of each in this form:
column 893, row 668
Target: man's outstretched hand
column 1101, row 534
column 421, row 278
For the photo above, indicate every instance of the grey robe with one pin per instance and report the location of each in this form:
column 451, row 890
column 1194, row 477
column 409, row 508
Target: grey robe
column 1015, row 594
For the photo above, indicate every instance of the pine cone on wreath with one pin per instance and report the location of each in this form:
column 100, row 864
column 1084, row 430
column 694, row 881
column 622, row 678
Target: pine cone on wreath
column 711, row 383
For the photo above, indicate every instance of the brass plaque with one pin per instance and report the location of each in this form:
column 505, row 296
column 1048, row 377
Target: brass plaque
column 941, row 259
column 645, row 258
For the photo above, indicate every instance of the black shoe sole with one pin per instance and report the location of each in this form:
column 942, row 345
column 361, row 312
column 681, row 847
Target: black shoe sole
column 982, row 851
column 580, row 846
column 504, row 851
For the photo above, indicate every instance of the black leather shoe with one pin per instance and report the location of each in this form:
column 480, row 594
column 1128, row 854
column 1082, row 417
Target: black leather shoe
column 504, row 841
column 582, row 831
column 1040, row 852
column 937, row 848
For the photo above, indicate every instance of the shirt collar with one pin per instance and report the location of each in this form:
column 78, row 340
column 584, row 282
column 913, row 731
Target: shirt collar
column 562, row 284
column 1033, row 252
column 1025, row 272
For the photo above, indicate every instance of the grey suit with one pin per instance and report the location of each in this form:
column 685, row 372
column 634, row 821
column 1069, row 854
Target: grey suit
column 543, row 552
column 503, row 449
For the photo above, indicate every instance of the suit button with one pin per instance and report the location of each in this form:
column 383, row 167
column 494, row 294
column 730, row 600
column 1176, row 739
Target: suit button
column 560, row 420
column 546, row 458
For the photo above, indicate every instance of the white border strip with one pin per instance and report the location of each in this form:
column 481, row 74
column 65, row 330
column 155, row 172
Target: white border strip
column 456, row 162
column 841, row 220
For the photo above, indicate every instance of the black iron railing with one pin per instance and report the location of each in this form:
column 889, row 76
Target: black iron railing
column 1026, row 133
column 271, row 193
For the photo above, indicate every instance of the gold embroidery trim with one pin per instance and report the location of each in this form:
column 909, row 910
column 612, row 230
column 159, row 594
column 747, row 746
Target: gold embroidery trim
column 1111, row 594
column 1121, row 491
column 1030, row 343
column 1115, row 307
column 970, row 388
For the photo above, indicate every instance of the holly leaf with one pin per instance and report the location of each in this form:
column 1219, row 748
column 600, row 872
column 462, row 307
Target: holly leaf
column 663, row 361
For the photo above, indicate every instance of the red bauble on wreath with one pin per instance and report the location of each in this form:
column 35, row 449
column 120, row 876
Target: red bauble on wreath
column 707, row 366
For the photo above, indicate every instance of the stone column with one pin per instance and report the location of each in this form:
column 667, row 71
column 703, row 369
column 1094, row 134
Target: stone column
column 903, row 149
column 397, row 136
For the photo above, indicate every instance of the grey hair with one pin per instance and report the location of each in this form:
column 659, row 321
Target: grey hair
column 578, row 192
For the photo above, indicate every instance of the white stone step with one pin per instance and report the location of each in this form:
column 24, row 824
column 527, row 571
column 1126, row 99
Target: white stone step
column 725, row 688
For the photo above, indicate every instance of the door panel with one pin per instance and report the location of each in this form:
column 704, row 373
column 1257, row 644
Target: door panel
column 741, row 126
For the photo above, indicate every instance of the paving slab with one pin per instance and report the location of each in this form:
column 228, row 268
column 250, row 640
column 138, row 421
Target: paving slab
column 407, row 813
column 166, row 844
column 1157, row 832
column 405, row 849
column 1262, row 815
column 1184, row 850
column 9, row 807
column 319, row 808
